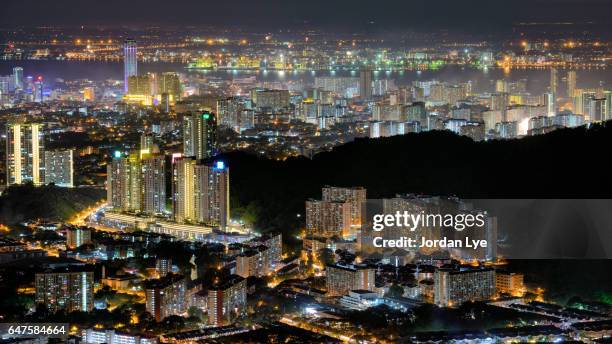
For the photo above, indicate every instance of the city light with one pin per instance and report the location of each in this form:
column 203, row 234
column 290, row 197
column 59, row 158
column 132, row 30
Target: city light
column 431, row 178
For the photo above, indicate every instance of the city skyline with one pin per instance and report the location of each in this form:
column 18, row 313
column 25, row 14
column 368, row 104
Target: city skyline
column 321, row 172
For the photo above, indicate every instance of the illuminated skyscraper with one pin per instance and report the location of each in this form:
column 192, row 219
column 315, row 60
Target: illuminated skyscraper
column 212, row 194
column 500, row 102
column 169, row 83
column 124, row 182
column 130, row 62
column 200, row 135
column 184, row 190
column 327, row 218
column 77, row 236
column 582, row 101
column 65, row 288
column 163, row 265
column 24, row 153
column 597, row 109
column 554, row 83
column 356, row 196
column 229, row 110
column 165, row 296
column 59, row 167
column 154, row 184
column 608, row 96
column 571, row 83
column 501, row 86
column 141, row 84
column 38, row 90
column 254, row 262
column 549, row 101
column 365, row 83
column 270, row 99
column 274, row 242
column 18, row 77
column 226, row 300
column 147, row 144
column 201, row 192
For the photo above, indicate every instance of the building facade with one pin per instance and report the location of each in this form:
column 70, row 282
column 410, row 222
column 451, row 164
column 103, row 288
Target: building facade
column 65, row 288
column 454, row 287
column 165, row 296
column 59, row 167
column 130, row 61
column 25, row 153
column 226, row 300
column 341, row 279
column 200, row 135
column 327, row 219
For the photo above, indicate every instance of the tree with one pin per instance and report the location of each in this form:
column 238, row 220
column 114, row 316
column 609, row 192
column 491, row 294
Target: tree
column 195, row 312
column 395, row 291
column 172, row 323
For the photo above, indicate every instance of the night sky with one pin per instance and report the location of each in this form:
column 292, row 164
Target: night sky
column 348, row 14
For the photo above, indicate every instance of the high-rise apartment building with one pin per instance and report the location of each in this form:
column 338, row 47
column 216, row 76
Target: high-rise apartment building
column 124, row 182
column 165, row 296
column 327, row 219
column 130, row 62
column 169, row 83
column 571, row 83
column 141, row 85
column 65, row 288
column 136, row 182
column 554, row 85
column 597, row 109
column 340, row 279
column 111, row 336
column 184, row 189
column 226, row 300
column 147, row 144
column 582, row 101
column 270, row 99
column 365, row 83
column 77, row 236
column 163, row 265
column 254, row 262
column 154, row 183
column 509, row 283
column 608, row 97
column 200, row 135
column 201, row 192
column 24, row 153
column 38, row 91
column 212, row 194
column 342, row 86
column 274, row 243
column 59, row 167
column 355, row 196
column 453, row 287
column 229, row 110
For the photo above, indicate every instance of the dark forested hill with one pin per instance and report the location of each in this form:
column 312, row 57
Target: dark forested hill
column 567, row 163
column 26, row 202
